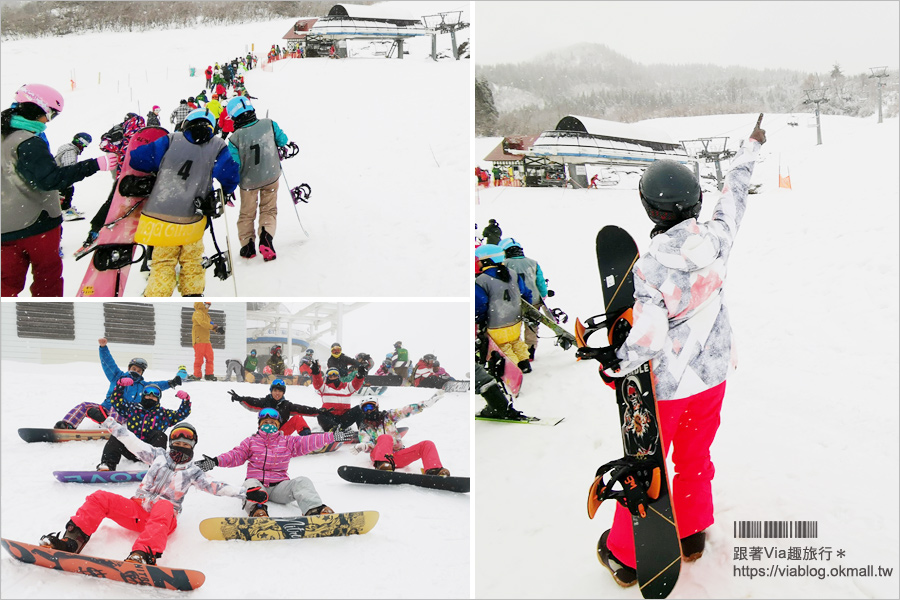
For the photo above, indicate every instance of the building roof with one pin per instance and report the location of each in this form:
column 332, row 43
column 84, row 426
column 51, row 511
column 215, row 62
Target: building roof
column 614, row 130
column 299, row 30
column 390, row 14
column 511, row 148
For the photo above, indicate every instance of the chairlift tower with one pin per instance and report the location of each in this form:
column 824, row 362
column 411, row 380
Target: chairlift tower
column 878, row 73
column 444, row 22
column 712, row 150
column 817, row 97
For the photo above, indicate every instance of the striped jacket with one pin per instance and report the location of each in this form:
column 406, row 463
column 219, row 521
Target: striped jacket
column 680, row 317
column 165, row 478
column 268, row 454
column 337, row 398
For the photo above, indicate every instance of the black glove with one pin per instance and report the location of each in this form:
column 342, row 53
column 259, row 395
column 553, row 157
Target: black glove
column 314, row 369
column 207, row 463
column 346, row 435
column 176, row 381
column 550, row 293
column 230, row 199
column 326, row 411
column 220, row 329
column 361, row 372
column 605, row 356
column 496, row 365
column 257, row 494
column 97, row 414
column 234, row 396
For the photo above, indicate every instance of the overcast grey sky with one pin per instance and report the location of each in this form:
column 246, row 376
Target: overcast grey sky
column 805, row 36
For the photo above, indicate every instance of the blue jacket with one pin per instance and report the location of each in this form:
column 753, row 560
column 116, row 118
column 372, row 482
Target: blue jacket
column 481, row 297
column 112, row 371
column 148, row 157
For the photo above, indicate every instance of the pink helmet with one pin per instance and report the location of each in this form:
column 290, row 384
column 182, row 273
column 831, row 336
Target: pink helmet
column 155, row 108
column 46, row 97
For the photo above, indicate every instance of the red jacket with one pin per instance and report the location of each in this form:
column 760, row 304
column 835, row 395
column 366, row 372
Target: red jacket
column 337, row 398
column 226, row 122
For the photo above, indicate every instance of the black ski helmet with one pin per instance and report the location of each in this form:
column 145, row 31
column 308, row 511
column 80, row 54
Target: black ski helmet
column 670, row 193
column 182, row 432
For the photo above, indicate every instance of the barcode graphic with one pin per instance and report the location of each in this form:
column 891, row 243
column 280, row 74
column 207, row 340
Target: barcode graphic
column 776, row 529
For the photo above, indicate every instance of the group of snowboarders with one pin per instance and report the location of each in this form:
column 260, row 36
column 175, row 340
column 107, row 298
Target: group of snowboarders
column 132, row 414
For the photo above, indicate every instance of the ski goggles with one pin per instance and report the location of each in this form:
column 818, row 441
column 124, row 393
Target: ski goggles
column 152, row 390
column 333, row 374
column 278, row 384
column 368, row 407
column 183, row 434
column 269, row 413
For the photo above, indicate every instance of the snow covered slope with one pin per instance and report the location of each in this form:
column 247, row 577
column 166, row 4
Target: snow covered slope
column 810, row 420
column 383, row 142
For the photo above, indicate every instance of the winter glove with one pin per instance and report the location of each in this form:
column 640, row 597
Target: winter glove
column 207, row 463
column 176, row 381
column 326, row 411
column 182, row 395
column 97, row 414
column 229, row 199
column 550, row 293
column 361, row 373
column 220, row 329
column 257, row 494
column 125, row 381
column 108, row 161
column 759, row 134
column 360, row 447
column 345, row 435
column 315, row 368
column 234, row 396
column 430, row 402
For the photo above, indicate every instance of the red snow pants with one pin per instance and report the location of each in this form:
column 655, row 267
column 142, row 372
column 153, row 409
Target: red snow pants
column 41, row 253
column 201, row 351
column 689, row 426
column 155, row 526
column 424, row 450
column 295, row 424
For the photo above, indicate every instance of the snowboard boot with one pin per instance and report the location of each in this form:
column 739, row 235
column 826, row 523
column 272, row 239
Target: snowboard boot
column 260, row 510
column 489, row 413
column 385, row 465
column 265, row 245
column 248, row 250
column 524, row 366
column 139, row 556
column 63, row 425
column 692, row 546
column 319, row 510
column 439, row 471
column 531, row 353
column 73, row 540
column 210, row 378
column 624, row 576
column 192, row 378
column 514, row 415
column 105, row 467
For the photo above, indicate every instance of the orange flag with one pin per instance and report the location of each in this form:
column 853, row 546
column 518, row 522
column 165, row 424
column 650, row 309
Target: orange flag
column 783, row 182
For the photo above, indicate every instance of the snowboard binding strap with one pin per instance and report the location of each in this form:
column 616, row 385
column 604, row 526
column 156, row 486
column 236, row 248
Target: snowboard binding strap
column 115, row 256
column 289, row 150
column 640, row 484
column 301, row 193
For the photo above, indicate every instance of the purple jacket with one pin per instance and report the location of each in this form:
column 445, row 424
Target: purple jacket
column 268, row 454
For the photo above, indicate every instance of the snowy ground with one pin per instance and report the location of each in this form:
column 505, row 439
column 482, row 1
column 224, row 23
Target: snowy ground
column 810, row 421
column 383, row 143
column 421, row 539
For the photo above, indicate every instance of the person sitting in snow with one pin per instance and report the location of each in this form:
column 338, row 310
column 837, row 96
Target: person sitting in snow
column 290, row 414
column 337, row 409
column 379, row 437
column 153, row 510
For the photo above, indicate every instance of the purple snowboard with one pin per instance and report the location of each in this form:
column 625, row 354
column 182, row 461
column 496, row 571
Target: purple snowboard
column 99, row 476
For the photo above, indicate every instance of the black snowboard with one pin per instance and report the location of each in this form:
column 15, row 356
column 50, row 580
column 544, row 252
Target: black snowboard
column 383, row 380
column 363, row 475
column 656, row 542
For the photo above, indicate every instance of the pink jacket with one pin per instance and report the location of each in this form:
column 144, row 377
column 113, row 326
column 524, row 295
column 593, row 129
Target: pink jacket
column 268, row 454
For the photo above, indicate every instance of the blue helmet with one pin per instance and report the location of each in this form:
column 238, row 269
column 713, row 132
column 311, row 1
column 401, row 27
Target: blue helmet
column 237, row 106
column 509, row 242
column 201, row 113
column 490, row 252
column 199, row 126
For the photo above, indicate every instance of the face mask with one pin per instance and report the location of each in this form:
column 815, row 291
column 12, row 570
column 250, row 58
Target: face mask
column 269, row 428
column 181, row 455
column 149, row 403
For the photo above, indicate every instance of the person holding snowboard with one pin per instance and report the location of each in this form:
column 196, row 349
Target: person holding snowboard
column 30, row 185
column 290, row 415
column 153, row 510
column 132, row 380
column 681, row 323
column 147, row 419
column 337, row 409
column 534, row 280
column 254, row 147
column 201, row 327
column 268, row 453
column 379, row 437
column 498, row 307
column 185, row 163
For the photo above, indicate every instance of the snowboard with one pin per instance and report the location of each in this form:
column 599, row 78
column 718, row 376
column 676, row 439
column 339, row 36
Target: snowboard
column 326, row 449
column 456, row 386
column 512, row 374
column 105, row 568
column 99, row 476
column 656, row 541
column 366, row 475
column 552, row 421
column 113, row 250
column 257, row 529
column 390, row 380
column 31, row 434
column 371, row 390
column 564, row 339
